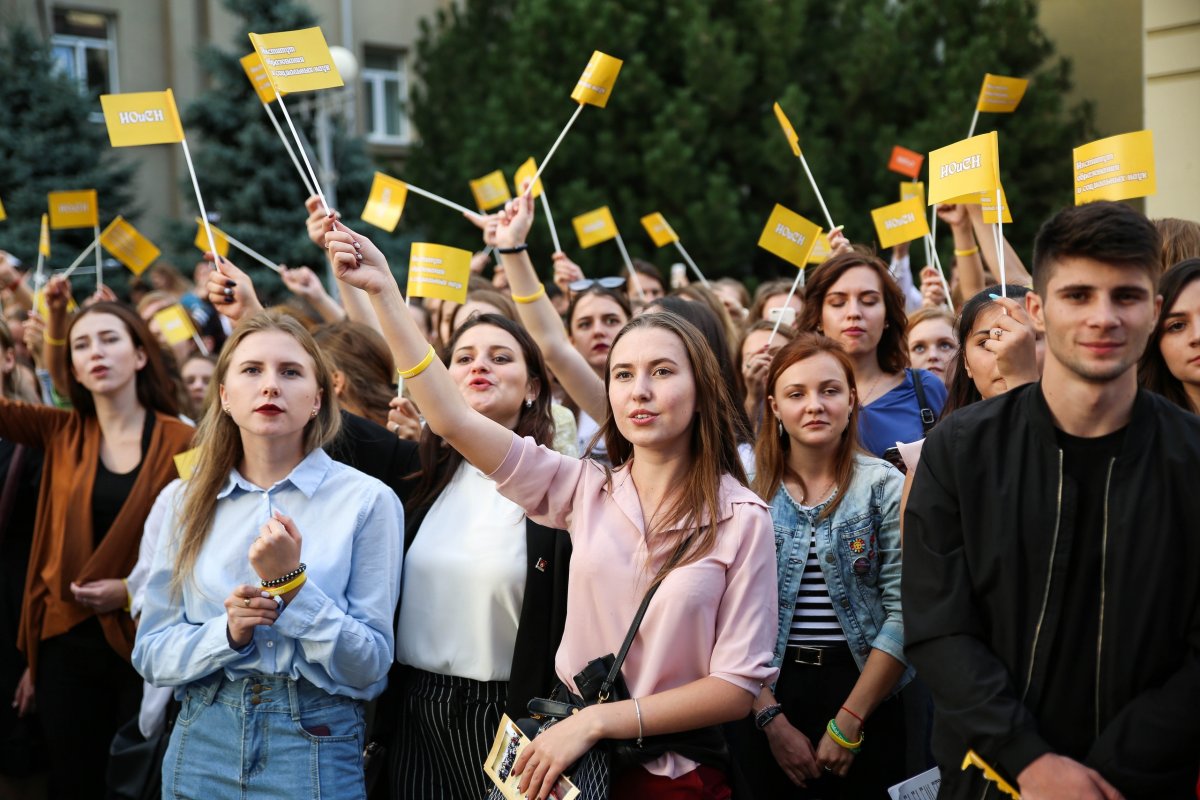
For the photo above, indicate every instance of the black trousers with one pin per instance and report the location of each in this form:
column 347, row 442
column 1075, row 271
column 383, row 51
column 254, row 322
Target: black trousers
column 85, row 691
column 810, row 697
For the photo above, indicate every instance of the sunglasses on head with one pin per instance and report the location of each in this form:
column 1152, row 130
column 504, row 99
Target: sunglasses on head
column 584, row 284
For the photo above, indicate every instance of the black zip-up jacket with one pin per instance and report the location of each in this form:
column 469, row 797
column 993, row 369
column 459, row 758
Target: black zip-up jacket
column 986, row 551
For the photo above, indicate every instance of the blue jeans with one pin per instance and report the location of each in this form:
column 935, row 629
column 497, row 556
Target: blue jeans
column 264, row 737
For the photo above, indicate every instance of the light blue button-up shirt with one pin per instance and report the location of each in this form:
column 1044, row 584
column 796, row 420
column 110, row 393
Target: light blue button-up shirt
column 337, row 630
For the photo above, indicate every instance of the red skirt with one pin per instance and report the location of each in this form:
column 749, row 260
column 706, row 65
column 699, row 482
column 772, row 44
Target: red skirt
column 702, row 783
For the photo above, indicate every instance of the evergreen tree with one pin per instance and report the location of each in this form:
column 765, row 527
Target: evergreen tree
column 47, row 144
column 689, row 130
column 244, row 172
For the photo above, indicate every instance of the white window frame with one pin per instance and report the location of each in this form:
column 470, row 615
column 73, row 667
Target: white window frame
column 80, row 45
column 374, row 82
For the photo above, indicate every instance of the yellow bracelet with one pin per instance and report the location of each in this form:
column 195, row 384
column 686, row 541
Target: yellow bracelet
column 50, row 340
column 529, row 298
column 128, row 596
column 405, row 374
column 294, row 583
column 965, row 253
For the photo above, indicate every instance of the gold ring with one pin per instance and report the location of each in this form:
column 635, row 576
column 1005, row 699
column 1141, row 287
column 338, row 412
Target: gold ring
column 246, row 602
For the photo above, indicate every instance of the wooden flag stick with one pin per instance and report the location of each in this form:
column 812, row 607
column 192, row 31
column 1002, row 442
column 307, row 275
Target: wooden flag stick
column 75, row 264
column 288, row 146
column 400, row 380
column 442, row 200
column 260, row 258
column 633, row 276
column 937, row 263
column 99, row 257
column 820, row 199
column 39, row 276
column 1000, row 243
column 786, row 304
column 553, row 147
column 212, row 243
column 692, row 264
column 550, row 219
column 316, row 184
column 199, row 343
column 974, row 119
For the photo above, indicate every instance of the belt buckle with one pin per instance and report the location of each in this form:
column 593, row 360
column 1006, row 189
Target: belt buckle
column 804, row 654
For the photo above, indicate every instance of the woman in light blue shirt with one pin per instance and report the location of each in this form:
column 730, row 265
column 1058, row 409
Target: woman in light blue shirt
column 269, row 606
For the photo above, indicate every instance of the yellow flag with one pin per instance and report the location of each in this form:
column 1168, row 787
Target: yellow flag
column 43, row 310
column 525, row 172
column 219, row 239
column 821, row 250
column 789, row 236
column 297, row 61
column 659, row 229
column 1000, row 95
column 595, row 227
column 972, row 165
column 490, row 191
column 44, row 239
column 136, row 118
column 128, row 246
column 911, row 189
column 3, row 213
column 74, row 209
column 174, row 324
column 1116, row 168
column 900, row 222
column 789, row 132
column 435, row 270
column 386, row 202
column 185, row 462
column 253, row 67
column 987, row 200
column 595, row 84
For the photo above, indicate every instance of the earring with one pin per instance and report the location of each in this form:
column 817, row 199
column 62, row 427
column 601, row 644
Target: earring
column 820, row 329
column 529, row 403
column 315, row 411
column 225, row 409
column 779, row 426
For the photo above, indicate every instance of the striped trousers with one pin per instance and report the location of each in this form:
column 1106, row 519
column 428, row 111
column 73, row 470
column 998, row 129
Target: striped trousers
column 446, row 727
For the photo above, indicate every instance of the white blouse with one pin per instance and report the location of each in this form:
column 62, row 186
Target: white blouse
column 464, row 582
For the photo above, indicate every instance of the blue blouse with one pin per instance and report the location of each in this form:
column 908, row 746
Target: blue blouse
column 896, row 417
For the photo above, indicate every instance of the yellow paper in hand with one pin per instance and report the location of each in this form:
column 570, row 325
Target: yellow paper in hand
column 253, row 67
column 596, row 83
column 128, row 246
column 1000, row 95
column 435, row 270
column 524, row 173
column 174, row 324
column 900, row 222
column 219, row 239
column 987, row 200
column 972, row 165
column 44, row 238
column 385, row 204
column 1116, row 168
column 911, row 189
column 186, row 462
column 78, row 209
column 3, row 213
column 138, row 118
column 490, row 191
column 789, row 236
column 659, row 229
column 789, row 132
column 297, row 61
column 595, row 227
column 821, row 250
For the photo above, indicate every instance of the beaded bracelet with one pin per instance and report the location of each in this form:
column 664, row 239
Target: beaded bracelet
column 405, row 374
column 294, row 583
column 291, row 576
column 529, row 298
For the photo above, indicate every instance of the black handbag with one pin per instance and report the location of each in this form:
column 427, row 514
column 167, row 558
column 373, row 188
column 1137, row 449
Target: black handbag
column 135, row 762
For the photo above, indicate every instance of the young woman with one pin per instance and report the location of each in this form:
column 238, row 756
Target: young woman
column 774, row 294
column 269, row 603
column 1171, row 363
column 675, row 512
column 196, row 374
column 363, row 370
column 484, row 589
column 105, row 462
column 840, row 639
column 931, row 343
column 754, row 358
column 854, row 301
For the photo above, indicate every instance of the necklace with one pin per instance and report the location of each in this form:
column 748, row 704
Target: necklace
column 818, row 495
column 866, row 398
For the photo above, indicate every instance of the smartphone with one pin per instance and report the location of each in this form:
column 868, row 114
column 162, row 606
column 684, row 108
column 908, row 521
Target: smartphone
column 787, row 313
column 678, row 276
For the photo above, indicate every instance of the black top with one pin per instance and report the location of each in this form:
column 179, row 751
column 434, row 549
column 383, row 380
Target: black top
column 16, row 529
column 378, row 452
column 1072, row 683
column 111, row 488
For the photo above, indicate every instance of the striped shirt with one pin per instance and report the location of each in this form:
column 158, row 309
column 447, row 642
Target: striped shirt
column 815, row 620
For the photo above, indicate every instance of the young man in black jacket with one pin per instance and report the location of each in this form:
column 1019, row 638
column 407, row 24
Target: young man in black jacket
column 1051, row 581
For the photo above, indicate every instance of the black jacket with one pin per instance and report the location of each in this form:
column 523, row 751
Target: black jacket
column 985, row 556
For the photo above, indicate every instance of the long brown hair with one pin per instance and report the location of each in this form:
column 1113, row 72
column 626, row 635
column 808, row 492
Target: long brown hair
column 155, row 390
column 892, row 350
column 771, row 451
column 713, row 445
column 219, row 438
column 363, row 358
column 1153, row 372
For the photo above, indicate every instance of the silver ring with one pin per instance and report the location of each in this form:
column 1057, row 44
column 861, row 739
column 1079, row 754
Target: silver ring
column 997, row 333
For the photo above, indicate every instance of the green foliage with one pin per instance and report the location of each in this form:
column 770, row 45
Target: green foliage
column 245, row 174
column 47, row 144
column 689, row 130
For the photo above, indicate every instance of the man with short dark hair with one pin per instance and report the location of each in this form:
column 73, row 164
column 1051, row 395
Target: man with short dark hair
column 1051, row 583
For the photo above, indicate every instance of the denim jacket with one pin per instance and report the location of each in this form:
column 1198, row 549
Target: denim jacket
column 858, row 547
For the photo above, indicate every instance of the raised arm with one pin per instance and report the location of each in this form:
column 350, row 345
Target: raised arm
column 538, row 314
column 354, row 301
column 359, row 263
column 1014, row 268
column 304, row 283
column 970, row 266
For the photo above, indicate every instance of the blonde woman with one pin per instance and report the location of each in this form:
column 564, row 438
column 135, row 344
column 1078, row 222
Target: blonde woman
column 305, row 553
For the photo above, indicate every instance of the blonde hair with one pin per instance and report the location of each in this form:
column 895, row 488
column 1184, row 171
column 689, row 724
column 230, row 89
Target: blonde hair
column 219, row 438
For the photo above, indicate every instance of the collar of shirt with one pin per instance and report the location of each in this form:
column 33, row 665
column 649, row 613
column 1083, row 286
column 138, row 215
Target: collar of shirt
column 306, row 477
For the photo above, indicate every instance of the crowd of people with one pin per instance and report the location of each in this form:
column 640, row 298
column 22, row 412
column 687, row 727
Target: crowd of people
column 705, row 537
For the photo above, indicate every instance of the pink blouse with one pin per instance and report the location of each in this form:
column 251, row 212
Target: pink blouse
column 715, row 617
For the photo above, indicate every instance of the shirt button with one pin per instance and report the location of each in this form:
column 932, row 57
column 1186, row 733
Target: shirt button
column 829, row 559
column 270, row 644
column 255, row 700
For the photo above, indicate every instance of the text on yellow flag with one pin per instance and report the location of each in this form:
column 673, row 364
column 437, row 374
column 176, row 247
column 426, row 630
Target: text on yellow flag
column 139, row 118
column 435, row 270
column 789, row 236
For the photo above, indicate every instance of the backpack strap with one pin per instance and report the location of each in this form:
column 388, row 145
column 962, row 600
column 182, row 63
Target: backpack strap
column 928, row 418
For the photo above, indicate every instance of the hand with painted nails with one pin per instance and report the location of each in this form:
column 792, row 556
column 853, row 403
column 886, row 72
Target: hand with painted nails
column 318, row 222
column 357, row 261
column 231, row 291
column 245, row 609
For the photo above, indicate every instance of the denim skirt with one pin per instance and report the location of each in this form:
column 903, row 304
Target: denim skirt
column 264, row 737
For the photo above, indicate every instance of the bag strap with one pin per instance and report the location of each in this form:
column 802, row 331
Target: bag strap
column 611, row 678
column 927, row 416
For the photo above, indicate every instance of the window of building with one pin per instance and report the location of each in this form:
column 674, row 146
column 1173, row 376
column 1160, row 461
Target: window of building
column 385, row 86
column 84, row 45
